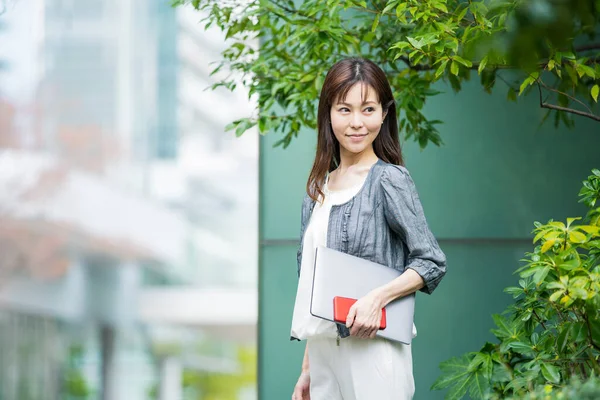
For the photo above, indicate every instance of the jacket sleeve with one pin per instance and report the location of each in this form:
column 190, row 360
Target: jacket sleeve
column 404, row 215
column 303, row 217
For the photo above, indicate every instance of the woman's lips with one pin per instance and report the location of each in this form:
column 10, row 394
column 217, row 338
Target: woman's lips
column 357, row 137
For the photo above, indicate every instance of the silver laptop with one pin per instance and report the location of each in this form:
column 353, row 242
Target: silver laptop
column 340, row 274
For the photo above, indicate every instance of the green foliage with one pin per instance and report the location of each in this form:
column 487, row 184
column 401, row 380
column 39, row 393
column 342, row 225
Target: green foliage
column 417, row 43
column 218, row 385
column 74, row 383
column 223, row 386
column 576, row 389
column 552, row 331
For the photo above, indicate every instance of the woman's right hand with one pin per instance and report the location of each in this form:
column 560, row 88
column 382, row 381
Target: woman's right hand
column 302, row 389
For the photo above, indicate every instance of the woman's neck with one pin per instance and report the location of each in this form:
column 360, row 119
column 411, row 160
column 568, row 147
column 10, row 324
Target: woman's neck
column 348, row 159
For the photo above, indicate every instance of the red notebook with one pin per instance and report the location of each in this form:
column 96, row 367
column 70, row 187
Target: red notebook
column 341, row 307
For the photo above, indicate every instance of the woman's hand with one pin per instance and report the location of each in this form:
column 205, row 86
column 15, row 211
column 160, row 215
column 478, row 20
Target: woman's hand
column 364, row 317
column 302, row 389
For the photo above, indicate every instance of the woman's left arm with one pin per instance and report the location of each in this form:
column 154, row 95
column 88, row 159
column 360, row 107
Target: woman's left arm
column 425, row 265
column 404, row 215
column 409, row 282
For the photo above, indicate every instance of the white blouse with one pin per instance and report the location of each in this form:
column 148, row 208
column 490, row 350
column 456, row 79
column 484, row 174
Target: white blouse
column 305, row 325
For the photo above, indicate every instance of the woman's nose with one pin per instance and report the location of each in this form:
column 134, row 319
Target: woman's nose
column 356, row 121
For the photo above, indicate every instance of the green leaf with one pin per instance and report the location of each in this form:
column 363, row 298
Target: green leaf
column 571, row 220
column 567, row 300
column 441, row 68
column 399, row 45
column 375, row 23
column 594, row 92
column 307, row 78
column 590, row 229
column 577, row 237
column 388, row 7
column 528, row 81
column 506, row 329
column 542, row 232
column 551, row 373
column 556, row 285
column 540, row 275
column 578, row 293
column 516, row 384
column 589, row 71
column 557, row 224
column 548, row 244
column 552, row 235
column 401, row 9
column 556, row 295
column 441, row 7
column 514, row 291
column 579, row 282
column 417, row 44
column 454, row 68
column 319, row 82
column 480, row 386
column 464, row 62
column 482, row 362
column 563, row 338
column 578, row 332
column 482, row 64
column 521, row 347
column 569, row 265
column 455, row 374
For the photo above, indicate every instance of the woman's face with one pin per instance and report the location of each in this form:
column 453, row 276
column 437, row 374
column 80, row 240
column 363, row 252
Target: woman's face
column 356, row 123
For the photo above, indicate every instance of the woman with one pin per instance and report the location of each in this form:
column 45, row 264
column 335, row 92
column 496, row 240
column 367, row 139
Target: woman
column 362, row 201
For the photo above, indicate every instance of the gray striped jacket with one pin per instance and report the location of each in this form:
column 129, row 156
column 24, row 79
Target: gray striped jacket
column 383, row 223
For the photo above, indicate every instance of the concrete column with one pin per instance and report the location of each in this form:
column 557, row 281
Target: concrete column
column 108, row 385
column 171, row 377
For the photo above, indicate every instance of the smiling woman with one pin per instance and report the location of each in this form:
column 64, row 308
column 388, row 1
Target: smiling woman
column 356, row 110
column 360, row 200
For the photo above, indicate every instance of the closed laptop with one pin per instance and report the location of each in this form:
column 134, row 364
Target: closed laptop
column 343, row 275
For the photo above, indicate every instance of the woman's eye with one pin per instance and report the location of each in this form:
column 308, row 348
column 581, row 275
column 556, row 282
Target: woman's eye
column 344, row 109
column 369, row 109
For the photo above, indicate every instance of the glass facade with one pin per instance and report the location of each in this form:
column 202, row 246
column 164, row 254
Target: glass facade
column 128, row 217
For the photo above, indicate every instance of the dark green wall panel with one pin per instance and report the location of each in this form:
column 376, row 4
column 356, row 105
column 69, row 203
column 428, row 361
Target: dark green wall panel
column 280, row 359
column 283, row 175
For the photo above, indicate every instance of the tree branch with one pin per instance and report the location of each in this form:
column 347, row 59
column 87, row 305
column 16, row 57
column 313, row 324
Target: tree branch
column 539, row 319
column 587, row 47
column 565, row 109
column 572, row 111
column 417, row 67
column 284, row 8
column 565, row 94
column 506, row 82
column 292, row 11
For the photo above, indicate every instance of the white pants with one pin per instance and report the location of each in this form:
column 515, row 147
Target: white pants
column 360, row 369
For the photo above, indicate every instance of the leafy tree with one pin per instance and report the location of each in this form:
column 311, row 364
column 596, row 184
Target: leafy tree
column 552, row 331
column 543, row 45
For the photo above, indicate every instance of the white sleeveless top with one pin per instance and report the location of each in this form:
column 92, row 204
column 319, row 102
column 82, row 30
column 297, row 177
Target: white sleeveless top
column 304, row 325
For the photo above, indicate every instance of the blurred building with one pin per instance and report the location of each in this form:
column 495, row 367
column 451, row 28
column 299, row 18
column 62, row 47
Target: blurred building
column 128, row 218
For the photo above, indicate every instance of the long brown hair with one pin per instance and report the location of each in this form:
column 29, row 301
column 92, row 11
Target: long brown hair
column 340, row 78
